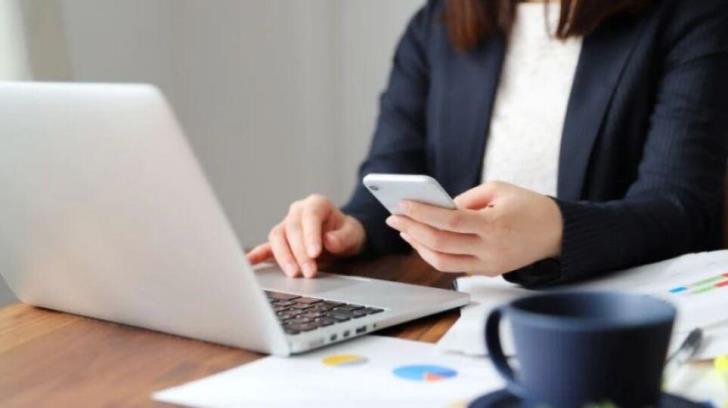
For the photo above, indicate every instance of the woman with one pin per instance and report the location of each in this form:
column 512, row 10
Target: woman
column 599, row 140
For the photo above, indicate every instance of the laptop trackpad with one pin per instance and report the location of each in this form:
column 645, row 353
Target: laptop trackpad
column 272, row 278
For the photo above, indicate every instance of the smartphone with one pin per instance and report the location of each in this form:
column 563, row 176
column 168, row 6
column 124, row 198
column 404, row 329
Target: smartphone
column 391, row 189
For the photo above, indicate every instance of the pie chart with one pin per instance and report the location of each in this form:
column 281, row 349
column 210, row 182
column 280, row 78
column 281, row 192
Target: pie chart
column 424, row 373
column 343, row 360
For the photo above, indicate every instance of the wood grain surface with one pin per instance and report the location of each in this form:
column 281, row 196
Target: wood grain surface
column 52, row 359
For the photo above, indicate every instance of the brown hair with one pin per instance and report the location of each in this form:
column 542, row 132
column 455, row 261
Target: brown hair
column 471, row 21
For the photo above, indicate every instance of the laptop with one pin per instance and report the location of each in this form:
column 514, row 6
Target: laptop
column 105, row 212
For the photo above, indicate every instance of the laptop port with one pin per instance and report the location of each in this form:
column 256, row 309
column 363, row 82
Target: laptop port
column 333, row 337
column 345, row 334
column 360, row 330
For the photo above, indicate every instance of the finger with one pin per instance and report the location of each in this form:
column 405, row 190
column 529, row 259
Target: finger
column 341, row 241
column 294, row 236
column 463, row 221
column 441, row 261
column 441, row 241
column 260, row 253
column 282, row 252
column 311, row 221
column 478, row 197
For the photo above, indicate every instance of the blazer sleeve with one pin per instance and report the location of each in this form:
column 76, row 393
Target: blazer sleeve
column 674, row 206
column 398, row 144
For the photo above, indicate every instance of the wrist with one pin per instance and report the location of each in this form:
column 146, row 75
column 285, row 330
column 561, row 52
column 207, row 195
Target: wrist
column 360, row 235
column 556, row 229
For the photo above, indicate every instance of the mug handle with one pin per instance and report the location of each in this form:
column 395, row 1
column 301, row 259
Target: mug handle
column 495, row 351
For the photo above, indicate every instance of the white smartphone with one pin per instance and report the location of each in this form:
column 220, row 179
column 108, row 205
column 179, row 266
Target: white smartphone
column 391, row 189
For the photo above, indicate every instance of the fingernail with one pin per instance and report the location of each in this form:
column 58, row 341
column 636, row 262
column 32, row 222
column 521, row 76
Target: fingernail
column 308, row 269
column 404, row 236
column 392, row 221
column 332, row 237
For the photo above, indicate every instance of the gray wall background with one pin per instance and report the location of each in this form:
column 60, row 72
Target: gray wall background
column 278, row 97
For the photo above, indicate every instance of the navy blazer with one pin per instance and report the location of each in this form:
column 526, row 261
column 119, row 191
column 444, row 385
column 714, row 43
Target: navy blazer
column 643, row 151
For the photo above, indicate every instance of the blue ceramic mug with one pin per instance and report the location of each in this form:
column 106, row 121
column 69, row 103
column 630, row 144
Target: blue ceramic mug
column 575, row 349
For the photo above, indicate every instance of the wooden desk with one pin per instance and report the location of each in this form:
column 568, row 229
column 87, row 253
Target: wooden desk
column 55, row 359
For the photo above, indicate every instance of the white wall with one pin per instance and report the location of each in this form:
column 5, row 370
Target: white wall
column 13, row 66
column 13, row 50
column 278, row 97
column 370, row 30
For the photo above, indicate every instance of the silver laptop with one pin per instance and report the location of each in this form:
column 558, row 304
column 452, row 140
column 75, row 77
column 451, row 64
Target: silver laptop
column 105, row 212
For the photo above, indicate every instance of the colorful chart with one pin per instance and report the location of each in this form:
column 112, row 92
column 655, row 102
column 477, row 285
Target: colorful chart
column 702, row 286
column 343, row 360
column 425, row 373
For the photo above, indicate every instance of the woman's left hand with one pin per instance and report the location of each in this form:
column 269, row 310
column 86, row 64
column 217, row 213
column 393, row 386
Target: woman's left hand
column 497, row 228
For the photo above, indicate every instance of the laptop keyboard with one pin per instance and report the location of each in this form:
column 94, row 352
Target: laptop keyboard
column 300, row 314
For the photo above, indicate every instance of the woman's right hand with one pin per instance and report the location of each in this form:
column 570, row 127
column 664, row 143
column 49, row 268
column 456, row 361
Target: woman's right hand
column 314, row 228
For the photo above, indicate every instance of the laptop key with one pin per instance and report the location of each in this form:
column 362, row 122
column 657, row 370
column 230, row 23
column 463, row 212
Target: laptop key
column 290, row 313
column 321, row 307
column 299, row 320
column 373, row 310
column 339, row 317
column 324, row 321
column 312, row 315
column 301, row 306
column 337, row 311
column 308, row 301
column 358, row 313
column 304, row 326
column 291, row 331
column 278, row 308
column 281, row 296
column 332, row 303
column 283, row 316
column 348, row 308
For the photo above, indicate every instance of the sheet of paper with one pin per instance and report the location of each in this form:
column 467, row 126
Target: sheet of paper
column 699, row 382
column 370, row 371
column 697, row 284
column 466, row 335
column 715, row 343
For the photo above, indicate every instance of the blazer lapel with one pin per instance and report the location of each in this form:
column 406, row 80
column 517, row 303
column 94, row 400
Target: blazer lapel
column 603, row 56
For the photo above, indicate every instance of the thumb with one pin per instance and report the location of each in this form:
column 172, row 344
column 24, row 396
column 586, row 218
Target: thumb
column 342, row 240
column 477, row 197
